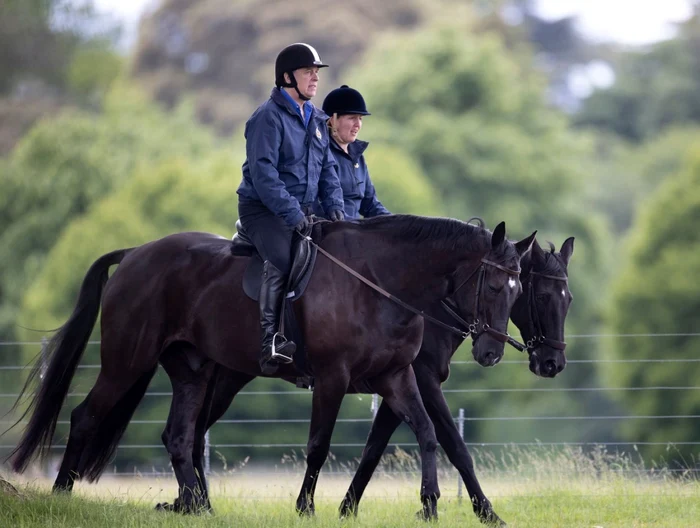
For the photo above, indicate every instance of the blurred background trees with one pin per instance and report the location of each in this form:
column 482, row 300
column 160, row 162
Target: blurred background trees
column 477, row 110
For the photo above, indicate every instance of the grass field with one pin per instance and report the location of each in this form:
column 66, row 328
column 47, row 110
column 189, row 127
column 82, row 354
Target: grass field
column 560, row 490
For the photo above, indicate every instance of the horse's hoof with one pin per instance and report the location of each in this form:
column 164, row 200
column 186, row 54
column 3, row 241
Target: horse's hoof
column 306, row 511
column 347, row 509
column 180, row 506
column 426, row 515
column 62, row 490
column 491, row 519
column 8, row 489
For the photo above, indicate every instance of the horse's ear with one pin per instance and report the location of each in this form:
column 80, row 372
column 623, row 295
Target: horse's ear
column 525, row 244
column 567, row 249
column 537, row 252
column 499, row 235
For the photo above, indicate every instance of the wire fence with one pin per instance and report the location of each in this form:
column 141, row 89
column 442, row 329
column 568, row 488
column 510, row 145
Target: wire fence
column 461, row 419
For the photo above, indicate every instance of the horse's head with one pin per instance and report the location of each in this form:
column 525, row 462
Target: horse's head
column 495, row 285
column 540, row 312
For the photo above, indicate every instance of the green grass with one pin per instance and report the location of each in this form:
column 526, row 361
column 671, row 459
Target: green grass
column 250, row 502
column 550, row 488
column 621, row 507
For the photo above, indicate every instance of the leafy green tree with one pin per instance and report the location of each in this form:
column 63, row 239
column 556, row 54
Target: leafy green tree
column 92, row 71
column 222, row 53
column 168, row 197
column 55, row 54
column 30, row 45
column 654, row 89
column 474, row 119
column 400, row 183
column 657, row 293
column 64, row 166
column 623, row 175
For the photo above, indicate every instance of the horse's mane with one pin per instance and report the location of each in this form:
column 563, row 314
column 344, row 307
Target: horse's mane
column 447, row 233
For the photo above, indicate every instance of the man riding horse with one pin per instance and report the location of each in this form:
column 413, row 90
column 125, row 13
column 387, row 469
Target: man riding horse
column 288, row 167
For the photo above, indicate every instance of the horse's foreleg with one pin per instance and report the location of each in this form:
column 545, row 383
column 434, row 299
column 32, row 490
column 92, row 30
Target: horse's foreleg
column 453, row 445
column 384, row 425
column 328, row 395
column 400, row 392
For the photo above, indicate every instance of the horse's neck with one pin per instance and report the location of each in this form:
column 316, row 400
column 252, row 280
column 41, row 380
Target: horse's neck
column 419, row 271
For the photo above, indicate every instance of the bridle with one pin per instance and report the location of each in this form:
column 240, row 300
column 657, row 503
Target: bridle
column 538, row 337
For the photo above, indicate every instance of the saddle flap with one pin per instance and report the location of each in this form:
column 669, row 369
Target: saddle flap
column 303, row 260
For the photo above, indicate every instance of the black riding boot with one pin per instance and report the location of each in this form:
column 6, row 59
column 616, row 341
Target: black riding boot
column 276, row 350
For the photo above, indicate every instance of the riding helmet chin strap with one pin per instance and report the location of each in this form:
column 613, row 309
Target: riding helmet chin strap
column 294, row 85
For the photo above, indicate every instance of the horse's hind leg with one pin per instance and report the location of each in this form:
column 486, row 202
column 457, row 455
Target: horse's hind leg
column 328, row 395
column 400, row 392
column 189, row 378
column 222, row 386
column 97, row 424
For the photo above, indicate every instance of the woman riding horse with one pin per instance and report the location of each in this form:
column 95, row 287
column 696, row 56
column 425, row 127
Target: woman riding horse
column 346, row 108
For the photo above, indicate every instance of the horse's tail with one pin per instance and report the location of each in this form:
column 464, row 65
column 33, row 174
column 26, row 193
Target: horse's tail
column 63, row 353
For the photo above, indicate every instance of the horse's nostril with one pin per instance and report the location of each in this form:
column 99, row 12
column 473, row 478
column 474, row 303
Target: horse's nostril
column 550, row 366
column 489, row 357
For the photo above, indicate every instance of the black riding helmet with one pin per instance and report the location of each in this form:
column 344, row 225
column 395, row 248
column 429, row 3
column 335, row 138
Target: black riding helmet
column 345, row 100
column 292, row 58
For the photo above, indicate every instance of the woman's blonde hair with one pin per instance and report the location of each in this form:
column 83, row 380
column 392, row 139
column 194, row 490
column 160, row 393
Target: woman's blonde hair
column 333, row 131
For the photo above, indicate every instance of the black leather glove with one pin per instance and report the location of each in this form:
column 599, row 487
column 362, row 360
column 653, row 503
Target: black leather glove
column 303, row 225
column 336, row 215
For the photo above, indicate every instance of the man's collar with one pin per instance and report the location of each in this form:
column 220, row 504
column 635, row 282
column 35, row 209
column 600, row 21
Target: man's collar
column 308, row 106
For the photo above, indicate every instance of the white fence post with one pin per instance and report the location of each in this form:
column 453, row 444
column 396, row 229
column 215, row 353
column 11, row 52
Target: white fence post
column 460, row 425
column 207, row 461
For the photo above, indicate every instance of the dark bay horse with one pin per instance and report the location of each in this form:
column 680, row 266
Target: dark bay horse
column 183, row 295
column 539, row 313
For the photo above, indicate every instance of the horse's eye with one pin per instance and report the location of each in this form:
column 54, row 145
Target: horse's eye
column 495, row 289
column 542, row 297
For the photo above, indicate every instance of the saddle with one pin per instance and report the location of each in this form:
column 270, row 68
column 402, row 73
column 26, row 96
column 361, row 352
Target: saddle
column 303, row 261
